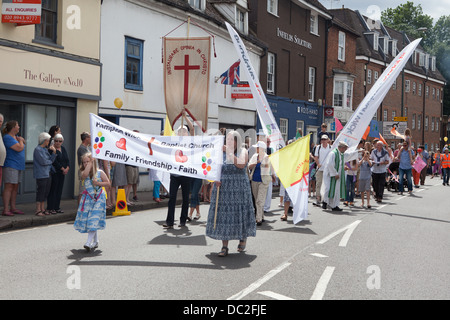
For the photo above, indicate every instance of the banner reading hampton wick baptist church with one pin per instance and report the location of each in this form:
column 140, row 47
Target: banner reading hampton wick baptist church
column 192, row 156
column 186, row 78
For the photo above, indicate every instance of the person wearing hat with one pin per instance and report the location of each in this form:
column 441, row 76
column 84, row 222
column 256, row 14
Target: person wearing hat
column 333, row 188
column 320, row 153
column 261, row 175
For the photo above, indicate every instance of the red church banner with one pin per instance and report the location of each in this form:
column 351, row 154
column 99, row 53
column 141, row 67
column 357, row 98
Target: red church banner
column 186, row 78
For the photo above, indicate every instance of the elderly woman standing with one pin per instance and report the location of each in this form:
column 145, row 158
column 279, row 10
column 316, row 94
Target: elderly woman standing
column 58, row 173
column 13, row 166
column 43, row 158
column 235, row 218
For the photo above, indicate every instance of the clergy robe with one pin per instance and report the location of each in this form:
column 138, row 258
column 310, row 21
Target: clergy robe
column 334, row 189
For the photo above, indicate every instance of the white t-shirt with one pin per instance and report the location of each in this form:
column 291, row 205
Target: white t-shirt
column 322, row 153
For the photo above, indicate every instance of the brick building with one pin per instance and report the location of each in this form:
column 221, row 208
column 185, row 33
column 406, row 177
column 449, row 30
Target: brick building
column 340, row 72
column 293, row 69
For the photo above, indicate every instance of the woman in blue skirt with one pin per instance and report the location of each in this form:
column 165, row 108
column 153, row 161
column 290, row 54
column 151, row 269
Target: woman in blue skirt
column 91, row 214
column 235, row 218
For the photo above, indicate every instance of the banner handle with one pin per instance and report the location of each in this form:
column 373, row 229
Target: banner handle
column 215, row 211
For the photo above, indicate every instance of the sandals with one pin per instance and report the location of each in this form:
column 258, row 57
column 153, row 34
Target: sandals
column 39, row 213
column 284, row 218
column 7, row 213
column 197, row 216
column 241, row 245
column 223, row 252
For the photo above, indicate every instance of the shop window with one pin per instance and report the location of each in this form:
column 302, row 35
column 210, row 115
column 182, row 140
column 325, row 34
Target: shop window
column 133, row 63
column 284, row 128
column 46, row 30
column 38, row 119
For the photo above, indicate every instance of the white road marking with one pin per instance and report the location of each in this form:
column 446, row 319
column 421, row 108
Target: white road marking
column 319, row 255
column 274, row 295
column 348, row 232
column 259, row 282
column 321, row 286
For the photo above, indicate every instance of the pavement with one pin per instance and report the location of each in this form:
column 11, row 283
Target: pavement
column 70, row 206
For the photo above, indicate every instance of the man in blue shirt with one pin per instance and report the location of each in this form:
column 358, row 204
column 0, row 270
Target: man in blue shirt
column 405, row 167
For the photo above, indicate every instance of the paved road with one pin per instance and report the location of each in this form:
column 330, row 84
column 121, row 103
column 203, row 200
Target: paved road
column 397, row 250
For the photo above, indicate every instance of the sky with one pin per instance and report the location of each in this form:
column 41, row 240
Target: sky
column 373, row 9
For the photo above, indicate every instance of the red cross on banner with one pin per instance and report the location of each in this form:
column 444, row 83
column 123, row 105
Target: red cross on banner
column 186, row 78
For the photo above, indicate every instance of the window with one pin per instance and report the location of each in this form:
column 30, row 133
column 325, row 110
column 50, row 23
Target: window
column 427, row 91
column 300, row 125
column 438, row 93
column 432, row 123
column 420, row 89
column 413, row 122
column 369, row 76
column 311, row 83
column 284, row 128
column 414, row 88
column 433, row 63
column 394, row 114
column 133, row 63
column 272, row 6
column 341, row 48
column 433, row 90
column 314, row 23
column 419, row 121
column 197, row 4
column 426, row 123
column 241, row 19
column 270, row 73
column 385, row 115
column 407, row 85
column 375, row 41
column 394, row 85
column 405, row 111
column 46, row 30
column 421, row 59
column 338, row 96
column 38, row 118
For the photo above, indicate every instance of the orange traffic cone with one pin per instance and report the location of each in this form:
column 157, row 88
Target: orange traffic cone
column 121, row 204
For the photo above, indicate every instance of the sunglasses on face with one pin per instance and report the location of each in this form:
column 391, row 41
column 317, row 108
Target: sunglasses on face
column 58, row 140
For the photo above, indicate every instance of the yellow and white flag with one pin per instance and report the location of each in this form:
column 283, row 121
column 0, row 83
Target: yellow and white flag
column 291, row 165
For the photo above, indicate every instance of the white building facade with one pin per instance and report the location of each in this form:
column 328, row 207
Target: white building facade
column 133, row 42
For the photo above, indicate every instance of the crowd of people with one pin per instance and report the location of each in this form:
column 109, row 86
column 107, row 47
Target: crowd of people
column 238, row 201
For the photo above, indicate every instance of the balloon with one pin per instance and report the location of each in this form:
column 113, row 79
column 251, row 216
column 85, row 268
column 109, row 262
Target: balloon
column 445, row 139
column 118, row 103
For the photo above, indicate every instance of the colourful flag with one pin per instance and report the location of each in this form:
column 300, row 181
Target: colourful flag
column 232, row 75
column 394, row 132
column 338, row 125
column 291, row 165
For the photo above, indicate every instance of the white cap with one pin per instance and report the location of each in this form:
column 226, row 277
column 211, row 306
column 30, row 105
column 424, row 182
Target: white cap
column 260, row 144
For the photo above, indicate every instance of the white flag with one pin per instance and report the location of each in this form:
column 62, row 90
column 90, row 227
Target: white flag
column 266, row 117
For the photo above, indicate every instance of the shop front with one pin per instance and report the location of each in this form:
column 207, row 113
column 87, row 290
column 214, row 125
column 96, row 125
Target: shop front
column 40, row 88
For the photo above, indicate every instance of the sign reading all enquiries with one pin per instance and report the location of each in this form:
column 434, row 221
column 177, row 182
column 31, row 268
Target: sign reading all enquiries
column 197, row 156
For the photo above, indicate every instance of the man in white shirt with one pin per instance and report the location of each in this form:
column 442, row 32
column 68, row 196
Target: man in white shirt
column 320, row 154
column 380, row 158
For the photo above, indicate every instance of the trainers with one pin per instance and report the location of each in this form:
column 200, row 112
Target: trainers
column 338, row 209
column 324, row 205
column 166, row 226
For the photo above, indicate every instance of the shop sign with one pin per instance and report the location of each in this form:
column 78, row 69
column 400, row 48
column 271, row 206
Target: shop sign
column 22, row 12
column 241, row 90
